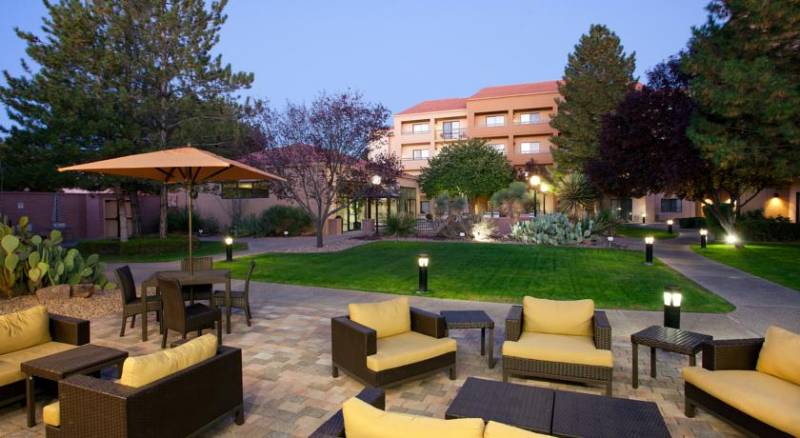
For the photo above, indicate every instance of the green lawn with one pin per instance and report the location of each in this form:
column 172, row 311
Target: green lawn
column 778, row 262
column 151, row 249
column 640, row 232
column 491, row 272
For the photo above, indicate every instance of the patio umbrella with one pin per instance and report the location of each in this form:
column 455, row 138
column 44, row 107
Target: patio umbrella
column 188, row 166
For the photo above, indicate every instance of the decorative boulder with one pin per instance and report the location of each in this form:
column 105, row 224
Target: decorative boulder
column 57, row 292
column 82, row 290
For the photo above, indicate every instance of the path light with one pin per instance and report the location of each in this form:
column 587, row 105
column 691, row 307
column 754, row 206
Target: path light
column 644, row 218
column 648, row 250
column 703, row 238
column 731, row 239
column 535, row 182
column 610, row 240
column 285, row 233
column 422, row 261
column 669, row 225
column 672, row 307
column 462, row 234
column 228, row 249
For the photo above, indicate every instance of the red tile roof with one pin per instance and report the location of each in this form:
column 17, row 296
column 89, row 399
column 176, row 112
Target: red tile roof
column 516, row 89
column 436, row 105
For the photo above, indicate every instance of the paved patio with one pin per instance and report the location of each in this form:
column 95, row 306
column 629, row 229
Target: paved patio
column 289, row 390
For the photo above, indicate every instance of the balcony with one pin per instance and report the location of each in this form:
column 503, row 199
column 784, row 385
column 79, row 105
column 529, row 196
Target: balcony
column 451, row 134
column 414, row 163
column 541, row 121
column 408, row 133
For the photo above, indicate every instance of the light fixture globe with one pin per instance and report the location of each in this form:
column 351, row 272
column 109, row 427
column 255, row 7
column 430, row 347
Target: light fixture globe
column 228, row 240
column 376, row 180
column 703, row 232
column 423, row 260
column 649, row 240
column 670, row 221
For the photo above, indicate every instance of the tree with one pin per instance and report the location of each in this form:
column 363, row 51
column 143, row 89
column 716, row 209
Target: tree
column 596, row 79
column 744, row 69
column 467, row 167
column 512, row 200
column 320, row 150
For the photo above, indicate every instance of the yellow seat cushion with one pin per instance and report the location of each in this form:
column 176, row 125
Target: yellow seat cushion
column 558, row 317
column 767, row 398
column 387, row 318
column 500, row 430
column 51, row 414
column 407, row 348
column 558, row 348
column 10, row 362
column 142, row 370
column 780, row 355
column 20, row 330
column 364, row 421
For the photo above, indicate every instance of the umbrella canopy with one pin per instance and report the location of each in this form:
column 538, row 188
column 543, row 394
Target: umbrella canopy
column 180, row 165
column 185, row 165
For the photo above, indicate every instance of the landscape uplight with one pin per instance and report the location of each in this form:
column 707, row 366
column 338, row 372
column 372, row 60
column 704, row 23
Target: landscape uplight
column 672, row 307
column 422, row 262
column 670, row 222
column 703, row 238
column 731, row 239
column 648, row 249
column 228, row 249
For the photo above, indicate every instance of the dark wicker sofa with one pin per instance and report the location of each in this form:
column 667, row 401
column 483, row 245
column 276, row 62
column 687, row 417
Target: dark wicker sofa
column 179, row 405
column 334, row 426
column 351, row 343
column 516, row 366
column 63, row 329
column 731, row 354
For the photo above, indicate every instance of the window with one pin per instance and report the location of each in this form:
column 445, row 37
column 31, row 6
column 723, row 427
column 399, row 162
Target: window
column 529, row 147
column 499, row 148
column 245, row 190
column 529, row 118
column 670, row 205
column 419, row 154
column 425, row 207
column 451, row 130
column 495, row 120
column 419, row 128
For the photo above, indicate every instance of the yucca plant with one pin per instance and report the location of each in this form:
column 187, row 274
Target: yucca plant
column 576, row 195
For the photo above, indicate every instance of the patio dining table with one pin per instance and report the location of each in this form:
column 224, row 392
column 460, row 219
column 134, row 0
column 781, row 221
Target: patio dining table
column 206, row 276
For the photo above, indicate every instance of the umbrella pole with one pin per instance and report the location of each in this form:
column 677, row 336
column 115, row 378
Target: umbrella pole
column 189, row 202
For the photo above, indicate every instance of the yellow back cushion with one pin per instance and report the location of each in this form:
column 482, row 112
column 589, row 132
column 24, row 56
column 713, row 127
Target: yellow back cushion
column 780, row 355
column 558, row 317
column 364, row 421
column 142, row 370
column 387, row 318
column 21, row 330
column 500, row 430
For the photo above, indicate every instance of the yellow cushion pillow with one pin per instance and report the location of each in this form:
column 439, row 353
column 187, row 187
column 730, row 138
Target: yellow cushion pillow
column 387, row 318
column 51, row 414
column 24, row 329
column 500, row 430
column 558, row 317
column 364, row 421
column 780, row 355
column 142, row 370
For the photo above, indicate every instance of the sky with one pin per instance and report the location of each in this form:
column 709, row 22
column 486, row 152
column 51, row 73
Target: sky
column 400, row 53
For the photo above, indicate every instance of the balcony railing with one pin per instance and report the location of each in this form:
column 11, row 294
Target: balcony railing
column 451, row 134
column 411, row 132
column 542, row 121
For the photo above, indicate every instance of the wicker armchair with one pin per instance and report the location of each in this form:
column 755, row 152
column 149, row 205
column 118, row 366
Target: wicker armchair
column 742, row 355
column 577, row 372
column 240, row 299
column 185, row 319
column 131, row 304
column 352, row 344
column 198, row 291
column 180, row 404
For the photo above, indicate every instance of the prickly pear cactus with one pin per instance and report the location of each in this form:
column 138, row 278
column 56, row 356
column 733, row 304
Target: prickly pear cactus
column 552, row 229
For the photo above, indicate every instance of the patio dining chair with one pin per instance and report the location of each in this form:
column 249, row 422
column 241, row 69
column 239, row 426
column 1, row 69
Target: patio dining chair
column 240, row 299
column 201, row 291
column 131, row 304
column 182, row 318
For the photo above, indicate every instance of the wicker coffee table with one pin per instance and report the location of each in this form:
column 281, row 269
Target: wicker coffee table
column 667, row 339
column 85, row 359
column 473, row 319
column 559, row 413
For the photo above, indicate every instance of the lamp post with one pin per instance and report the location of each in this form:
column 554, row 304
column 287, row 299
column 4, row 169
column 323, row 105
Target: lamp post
column 669, row 225
column 376, row 182
column 648, row 250
column 672, row 307
column 703, row 238
column 545, row 188
column 229, row 249
column 535, row 181
column 422, row 262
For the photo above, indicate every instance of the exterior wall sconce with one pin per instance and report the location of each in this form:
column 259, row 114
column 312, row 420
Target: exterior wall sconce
column 703, row 238
column 228, row 249
column 648, row 250
column 422, row 262
column 672, row 307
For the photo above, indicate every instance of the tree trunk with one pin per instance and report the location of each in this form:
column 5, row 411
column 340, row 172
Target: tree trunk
column 320, row 225
column 162, row 217
column 122, row 215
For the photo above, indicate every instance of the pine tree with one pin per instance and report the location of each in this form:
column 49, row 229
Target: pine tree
column 597, row 77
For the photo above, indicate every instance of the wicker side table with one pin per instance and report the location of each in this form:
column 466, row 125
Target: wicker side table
column 667, row 339
column 85, row 359
column 473, row 319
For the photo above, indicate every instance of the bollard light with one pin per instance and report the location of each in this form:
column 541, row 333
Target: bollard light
column 228, row 249
column 670, row 222
column 422, row 262
column 672, row 307
column 610, row 240
column 462, row 234
column 644, row 218
column 285, row 233
column 648, row 249
column 703, row 238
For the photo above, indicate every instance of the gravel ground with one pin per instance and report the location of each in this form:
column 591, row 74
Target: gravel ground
column 99, row 304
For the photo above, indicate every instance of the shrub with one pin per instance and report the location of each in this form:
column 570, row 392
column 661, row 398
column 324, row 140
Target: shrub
column 552, row 229
column 249, row 225
column 484, row 230
column 137, row 245
column 401, row 225
column 692, row 222
column 178, row 222
column 606, row 222
column 279, row 218
column 753, row 228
